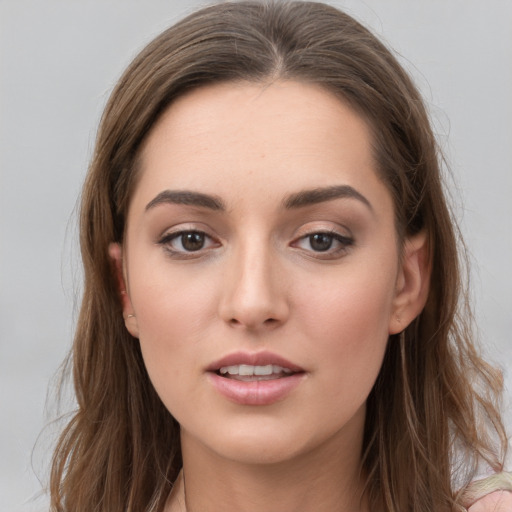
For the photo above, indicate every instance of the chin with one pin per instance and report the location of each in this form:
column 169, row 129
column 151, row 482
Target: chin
column 244, row 450
column 263, row 441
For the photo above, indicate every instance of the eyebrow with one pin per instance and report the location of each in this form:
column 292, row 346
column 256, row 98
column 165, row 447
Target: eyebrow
column 187, row 197
column 297, row 200
column 320, row 195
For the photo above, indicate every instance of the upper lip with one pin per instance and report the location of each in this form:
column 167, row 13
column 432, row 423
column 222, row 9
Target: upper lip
column 253, row 359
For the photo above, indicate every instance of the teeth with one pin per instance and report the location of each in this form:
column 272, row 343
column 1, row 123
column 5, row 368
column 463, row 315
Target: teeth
column 232, row 370
column 263, row 370
column 247, row 369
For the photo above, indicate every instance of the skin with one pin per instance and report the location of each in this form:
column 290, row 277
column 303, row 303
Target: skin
column 499, row 501
column 259, row 284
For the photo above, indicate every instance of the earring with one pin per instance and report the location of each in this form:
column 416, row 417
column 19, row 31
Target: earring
column 130, row 316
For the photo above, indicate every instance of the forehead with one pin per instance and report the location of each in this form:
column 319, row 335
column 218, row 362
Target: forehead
column 257, row 140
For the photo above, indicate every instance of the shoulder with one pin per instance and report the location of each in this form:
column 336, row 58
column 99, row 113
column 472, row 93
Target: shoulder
column 491, row 494
column 497, row 501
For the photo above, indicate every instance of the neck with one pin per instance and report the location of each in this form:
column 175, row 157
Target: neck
column 327, row 479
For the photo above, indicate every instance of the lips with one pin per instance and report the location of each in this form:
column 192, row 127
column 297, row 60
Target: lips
column 247, row 372
column 253, row 359
column 254, row 379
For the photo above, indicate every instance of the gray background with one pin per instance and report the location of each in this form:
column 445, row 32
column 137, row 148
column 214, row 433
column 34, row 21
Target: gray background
column 59, row 60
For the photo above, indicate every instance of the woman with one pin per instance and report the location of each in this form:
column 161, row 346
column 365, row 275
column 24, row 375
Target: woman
column 272, row 313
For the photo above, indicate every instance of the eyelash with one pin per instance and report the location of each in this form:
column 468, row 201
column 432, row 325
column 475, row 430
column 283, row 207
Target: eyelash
column 167, row 239
column 344, row 242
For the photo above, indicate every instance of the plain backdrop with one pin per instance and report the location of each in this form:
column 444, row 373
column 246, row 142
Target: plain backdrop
column 59, row 59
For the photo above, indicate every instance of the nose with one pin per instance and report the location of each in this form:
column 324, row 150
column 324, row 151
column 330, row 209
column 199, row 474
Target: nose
column 254, row 293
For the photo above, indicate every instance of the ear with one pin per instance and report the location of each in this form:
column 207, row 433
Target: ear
column 412, row 284
column 115, row 252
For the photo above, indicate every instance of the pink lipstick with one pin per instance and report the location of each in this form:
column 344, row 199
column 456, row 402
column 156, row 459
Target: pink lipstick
column 259, row 378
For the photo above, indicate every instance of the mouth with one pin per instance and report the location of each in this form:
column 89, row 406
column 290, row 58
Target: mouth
column 254, row 373
column 258, row 366
column 255, row 379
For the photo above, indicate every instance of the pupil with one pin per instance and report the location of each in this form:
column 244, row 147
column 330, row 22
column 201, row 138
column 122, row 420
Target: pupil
column 320, row 241
column 192, row 241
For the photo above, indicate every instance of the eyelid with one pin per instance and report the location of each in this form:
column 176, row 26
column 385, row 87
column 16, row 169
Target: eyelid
column 184, row 227
column 171, row 234
column 343, row 241
column 334, row 234
column 333, row 228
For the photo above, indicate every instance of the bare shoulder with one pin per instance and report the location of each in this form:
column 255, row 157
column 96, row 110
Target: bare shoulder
column 497, row 501
column 491, row 494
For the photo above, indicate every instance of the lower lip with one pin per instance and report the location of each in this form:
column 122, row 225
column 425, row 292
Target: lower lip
column 263, row 392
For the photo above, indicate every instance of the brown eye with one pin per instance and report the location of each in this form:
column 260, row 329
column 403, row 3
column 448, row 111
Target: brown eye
column 321, row 242
column 186, row 242
column 324, row 244
column 192, row 241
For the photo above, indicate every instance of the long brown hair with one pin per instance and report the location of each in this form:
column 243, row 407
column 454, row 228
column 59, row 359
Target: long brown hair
column 432, row 410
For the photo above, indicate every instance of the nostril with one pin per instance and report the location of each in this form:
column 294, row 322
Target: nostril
column 269, row 322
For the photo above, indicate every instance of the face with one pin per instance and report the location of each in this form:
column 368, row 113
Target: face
column 261, row 265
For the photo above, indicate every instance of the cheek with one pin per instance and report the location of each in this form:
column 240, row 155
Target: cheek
column 170, row 303
column 173, row 315
column 348, row 323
